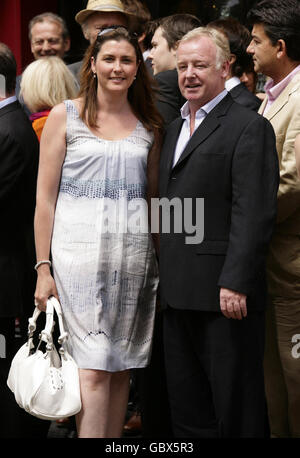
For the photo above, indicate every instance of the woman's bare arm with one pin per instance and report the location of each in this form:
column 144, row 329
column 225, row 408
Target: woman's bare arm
column 52, row 154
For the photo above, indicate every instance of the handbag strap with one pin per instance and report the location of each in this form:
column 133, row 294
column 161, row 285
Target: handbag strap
column 46, row 333
column 57, row 307
column 32, row 321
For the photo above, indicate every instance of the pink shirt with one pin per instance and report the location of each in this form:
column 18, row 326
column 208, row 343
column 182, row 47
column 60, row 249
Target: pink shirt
column 274, row 91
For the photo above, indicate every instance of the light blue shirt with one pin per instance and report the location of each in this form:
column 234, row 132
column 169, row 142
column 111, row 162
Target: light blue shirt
column 8, row 101
column 201, row 114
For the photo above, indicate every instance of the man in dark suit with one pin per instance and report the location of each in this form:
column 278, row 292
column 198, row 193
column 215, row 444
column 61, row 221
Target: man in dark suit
column 19, row 152
column 214, row 292
column 239, row 38
column 151, row 380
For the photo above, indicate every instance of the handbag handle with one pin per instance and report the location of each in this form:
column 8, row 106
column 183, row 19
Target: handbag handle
column 57, row 307
column 46, row 333
column 32, row 321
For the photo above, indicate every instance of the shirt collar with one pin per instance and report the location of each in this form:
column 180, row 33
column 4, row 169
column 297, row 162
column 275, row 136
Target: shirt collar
column 232, row 82
column 273, row 91
column 146, row 54
column 8, row 101
column 203, row 111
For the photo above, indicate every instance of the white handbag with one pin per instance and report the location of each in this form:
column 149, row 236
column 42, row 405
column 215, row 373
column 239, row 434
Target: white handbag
column 46, row 384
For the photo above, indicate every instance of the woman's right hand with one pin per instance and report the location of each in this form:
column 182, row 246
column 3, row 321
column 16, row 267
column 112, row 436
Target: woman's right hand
column 45, row 287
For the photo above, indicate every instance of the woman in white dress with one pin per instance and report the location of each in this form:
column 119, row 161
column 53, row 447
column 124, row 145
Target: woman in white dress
column 98, row 168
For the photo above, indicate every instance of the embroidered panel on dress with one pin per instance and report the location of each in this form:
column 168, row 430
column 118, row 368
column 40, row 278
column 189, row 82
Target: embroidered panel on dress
column 96, row 189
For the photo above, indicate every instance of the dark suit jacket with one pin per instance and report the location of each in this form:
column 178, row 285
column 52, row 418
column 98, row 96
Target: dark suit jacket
column 231, row 162
column 19, row 152
column 243, row 96
column 75, row 69
column 18, row 89
column 169, row 98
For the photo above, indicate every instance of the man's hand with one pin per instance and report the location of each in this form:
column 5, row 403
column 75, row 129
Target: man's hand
column 233, row 304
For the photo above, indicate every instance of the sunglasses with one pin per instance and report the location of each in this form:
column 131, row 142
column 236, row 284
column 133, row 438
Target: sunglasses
column 105, row 30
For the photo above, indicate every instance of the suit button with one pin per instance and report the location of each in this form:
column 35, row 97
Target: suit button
column 174, row 178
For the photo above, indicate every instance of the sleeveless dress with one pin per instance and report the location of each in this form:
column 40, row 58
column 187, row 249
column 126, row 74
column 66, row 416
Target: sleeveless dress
column 104, row 263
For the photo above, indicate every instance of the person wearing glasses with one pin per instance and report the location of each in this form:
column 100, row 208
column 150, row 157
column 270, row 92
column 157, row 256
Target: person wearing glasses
column 98, row 167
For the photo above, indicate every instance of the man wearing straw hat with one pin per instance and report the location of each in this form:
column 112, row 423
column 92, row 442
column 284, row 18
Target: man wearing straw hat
column 99, row 14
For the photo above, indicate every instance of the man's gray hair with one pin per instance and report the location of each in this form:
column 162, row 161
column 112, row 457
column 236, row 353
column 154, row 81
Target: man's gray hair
column 218, row 38
column 49, row 17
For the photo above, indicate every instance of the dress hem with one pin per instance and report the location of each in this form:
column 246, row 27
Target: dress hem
column 115, row 370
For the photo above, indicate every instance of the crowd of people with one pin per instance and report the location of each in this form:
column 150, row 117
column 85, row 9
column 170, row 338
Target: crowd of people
column 199, row 314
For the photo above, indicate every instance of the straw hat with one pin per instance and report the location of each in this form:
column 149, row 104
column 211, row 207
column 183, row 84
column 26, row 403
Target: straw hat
column 101, row 6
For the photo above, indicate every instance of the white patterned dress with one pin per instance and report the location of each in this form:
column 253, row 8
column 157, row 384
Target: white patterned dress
column 103, row 258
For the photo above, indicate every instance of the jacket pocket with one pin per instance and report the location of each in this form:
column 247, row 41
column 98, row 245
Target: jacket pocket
column 217, row 247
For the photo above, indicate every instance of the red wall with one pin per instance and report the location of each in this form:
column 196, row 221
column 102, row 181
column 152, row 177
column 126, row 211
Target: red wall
column 14, row 18
column 10, row 27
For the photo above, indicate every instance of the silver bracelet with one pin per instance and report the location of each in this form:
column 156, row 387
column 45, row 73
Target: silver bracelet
column 42, row 262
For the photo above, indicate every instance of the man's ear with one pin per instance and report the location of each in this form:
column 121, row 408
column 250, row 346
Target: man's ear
column 232, row 59
column 141, row 38
column 85, row 31
column 225, row 68
column 281, row 49
column 174, row 49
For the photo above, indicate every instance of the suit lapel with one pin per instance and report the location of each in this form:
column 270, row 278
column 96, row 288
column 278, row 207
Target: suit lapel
column 263, row 106
column 171, row 143
column 167, row 154
column 281, row 100
column 206, row 128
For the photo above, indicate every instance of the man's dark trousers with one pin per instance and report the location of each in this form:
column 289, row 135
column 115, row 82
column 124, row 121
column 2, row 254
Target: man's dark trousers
column 215, row 385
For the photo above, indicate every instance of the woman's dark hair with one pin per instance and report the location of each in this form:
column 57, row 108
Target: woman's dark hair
column 140, row 97
column 280, row 20
column 174, row 27
column 239, row 38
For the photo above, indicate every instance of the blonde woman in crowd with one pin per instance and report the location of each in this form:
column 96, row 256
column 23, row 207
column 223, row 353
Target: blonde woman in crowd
column 45, row 83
